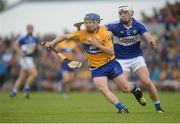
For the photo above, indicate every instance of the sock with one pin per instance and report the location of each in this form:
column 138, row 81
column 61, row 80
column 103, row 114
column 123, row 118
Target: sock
column 14, row 90
column 59, row 88
column 157, row 104
column 64, row 90
column 26, row 88
column 119, row 106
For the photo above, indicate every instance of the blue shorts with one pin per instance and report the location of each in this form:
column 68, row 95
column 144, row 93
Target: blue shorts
column 110, row 70
column 65, row 67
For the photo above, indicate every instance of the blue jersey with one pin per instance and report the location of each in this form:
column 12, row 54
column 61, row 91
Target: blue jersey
column 28, row 44
column 128, row 44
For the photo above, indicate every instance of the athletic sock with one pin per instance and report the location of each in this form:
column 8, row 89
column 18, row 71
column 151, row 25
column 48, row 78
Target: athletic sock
column 157, row 104
column 119, row 105
column 26, row 88
column 14, row 90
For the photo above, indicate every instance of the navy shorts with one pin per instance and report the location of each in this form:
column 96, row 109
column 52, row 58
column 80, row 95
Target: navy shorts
column 65, row 67
column 110, row 70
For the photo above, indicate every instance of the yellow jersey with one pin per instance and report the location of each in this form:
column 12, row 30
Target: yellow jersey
column 95, row 56
column 68, row 48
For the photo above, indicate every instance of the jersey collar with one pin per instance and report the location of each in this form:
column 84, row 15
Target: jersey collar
column 133, row 24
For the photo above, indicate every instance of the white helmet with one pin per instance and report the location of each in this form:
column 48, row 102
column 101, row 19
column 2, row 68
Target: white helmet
column 126, row 8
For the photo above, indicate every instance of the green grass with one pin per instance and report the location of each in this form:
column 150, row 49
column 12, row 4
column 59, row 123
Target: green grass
column 85, row 107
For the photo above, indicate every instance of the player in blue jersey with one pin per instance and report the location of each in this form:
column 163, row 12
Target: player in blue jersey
column 128, row 51
column 25, row 48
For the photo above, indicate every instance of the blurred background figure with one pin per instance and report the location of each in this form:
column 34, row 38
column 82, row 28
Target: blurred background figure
column 25, row 48
column 6, row 61
column 72, row 51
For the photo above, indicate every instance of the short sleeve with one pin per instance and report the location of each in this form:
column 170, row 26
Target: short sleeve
column 142, row 28
column 75, row 36
column 109, row 27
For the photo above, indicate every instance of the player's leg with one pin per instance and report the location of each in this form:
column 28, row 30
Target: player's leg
column 140, row 68
column 32, row 74
column 102, row 86
column 66, row 82
column 143, row 74
column 18, row 83
column 125, row 85
column 68, row 76
column 126, row 74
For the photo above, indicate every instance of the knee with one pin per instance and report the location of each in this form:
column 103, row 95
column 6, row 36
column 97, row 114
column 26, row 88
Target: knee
column 102, row 89
column 126, row 89
column 148, row 83
column 67, row 79
column 34, row 74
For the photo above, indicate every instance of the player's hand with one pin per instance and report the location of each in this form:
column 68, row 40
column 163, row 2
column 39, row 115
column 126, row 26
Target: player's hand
column 48, row 44
column 154, row 45
column 93, row 41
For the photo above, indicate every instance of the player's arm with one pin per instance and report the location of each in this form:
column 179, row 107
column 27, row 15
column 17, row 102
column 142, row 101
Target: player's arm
column 106, row 49
column 72, row 36
column 16, row 47
column 144, row 32
column 50, row 46
column 150, row 40
column 57, row 40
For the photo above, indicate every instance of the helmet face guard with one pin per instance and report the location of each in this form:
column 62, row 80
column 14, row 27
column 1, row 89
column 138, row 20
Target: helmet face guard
column 126, row 8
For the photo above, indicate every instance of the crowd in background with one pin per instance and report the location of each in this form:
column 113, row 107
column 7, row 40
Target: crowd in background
column 163, row 64
column 169, row 14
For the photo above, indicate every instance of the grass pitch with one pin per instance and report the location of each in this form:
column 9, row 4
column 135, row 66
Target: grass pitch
column 86, row 108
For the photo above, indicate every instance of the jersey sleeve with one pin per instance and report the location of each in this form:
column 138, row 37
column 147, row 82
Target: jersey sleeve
column 75, row 36
column 142, row 28
column 112, row 28
column 109, row 27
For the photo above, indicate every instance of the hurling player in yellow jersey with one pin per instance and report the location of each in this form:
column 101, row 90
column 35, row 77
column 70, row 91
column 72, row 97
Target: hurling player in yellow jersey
column 70, row 49
column 97, row 43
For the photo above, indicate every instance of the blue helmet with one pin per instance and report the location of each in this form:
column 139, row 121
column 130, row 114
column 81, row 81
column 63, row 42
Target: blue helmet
column 92, row 16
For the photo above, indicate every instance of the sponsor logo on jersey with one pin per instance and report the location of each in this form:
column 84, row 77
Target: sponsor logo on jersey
column 129, row 40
